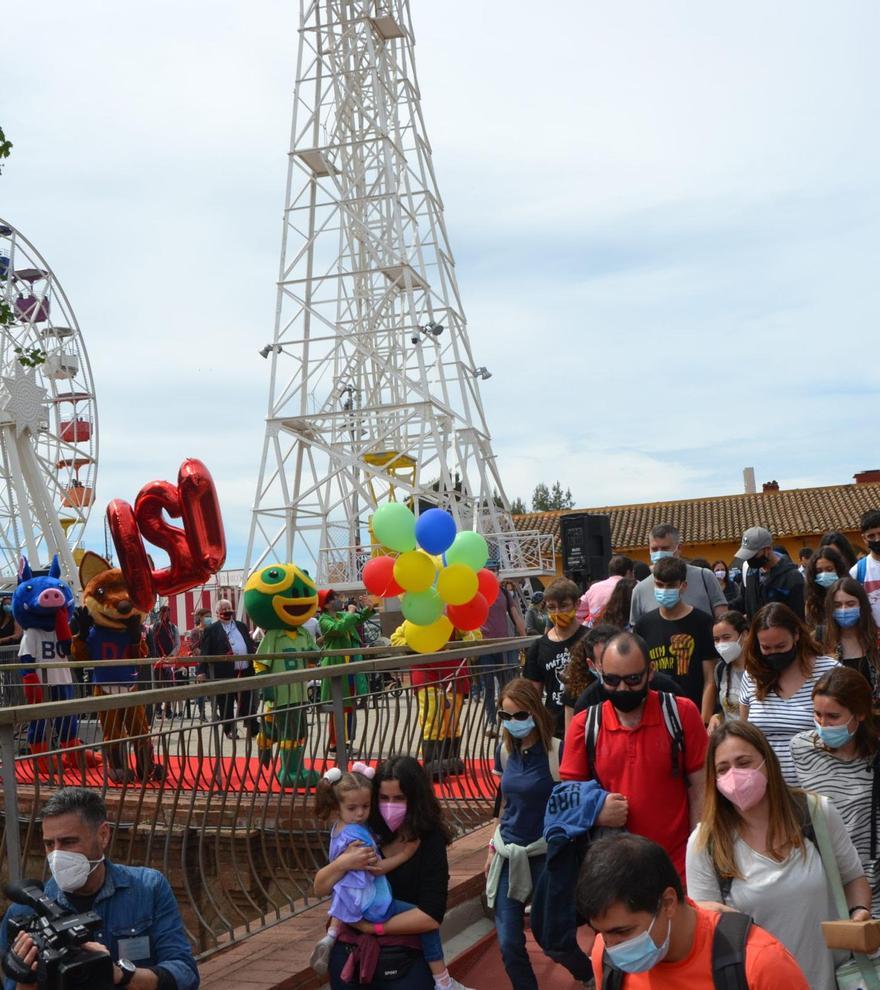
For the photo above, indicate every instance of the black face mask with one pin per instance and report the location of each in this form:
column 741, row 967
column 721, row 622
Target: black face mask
column 628, row 701
column 759, row 560
column 778, row 662
column 874, row 546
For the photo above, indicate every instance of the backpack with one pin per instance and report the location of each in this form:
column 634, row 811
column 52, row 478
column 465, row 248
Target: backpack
column 807, row 831
column 671, row 718
column 728, row 955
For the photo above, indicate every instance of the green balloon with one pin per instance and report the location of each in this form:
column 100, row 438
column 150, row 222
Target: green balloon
column 468, row 548
column 395, row 527
column 422, row 608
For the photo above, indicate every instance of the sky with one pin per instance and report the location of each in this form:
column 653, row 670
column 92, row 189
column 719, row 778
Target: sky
column 665, row 220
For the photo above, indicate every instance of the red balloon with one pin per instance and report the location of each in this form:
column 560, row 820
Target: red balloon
column 471, row 615
column 378, row 577
column 488, row 585
column 131, row 553
column 183, row 572
column 201, row 515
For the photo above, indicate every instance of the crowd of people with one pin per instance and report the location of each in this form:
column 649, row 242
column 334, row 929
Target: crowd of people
column 725, row 712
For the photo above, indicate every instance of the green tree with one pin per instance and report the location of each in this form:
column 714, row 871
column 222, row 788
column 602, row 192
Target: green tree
column 546, row 499
column 5, row 147
column 518, row 507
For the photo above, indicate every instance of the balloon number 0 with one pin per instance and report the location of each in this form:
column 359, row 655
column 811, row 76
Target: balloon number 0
column 195, row 552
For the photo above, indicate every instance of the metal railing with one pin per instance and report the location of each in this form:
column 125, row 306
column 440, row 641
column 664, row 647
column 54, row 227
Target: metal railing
column 226, row 816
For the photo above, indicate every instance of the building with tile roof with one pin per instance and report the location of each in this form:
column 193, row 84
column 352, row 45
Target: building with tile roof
column 713, row 527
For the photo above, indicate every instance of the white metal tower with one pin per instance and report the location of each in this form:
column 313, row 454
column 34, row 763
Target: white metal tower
column 374, row 388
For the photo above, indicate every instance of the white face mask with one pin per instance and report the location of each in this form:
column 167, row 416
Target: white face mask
column 729, row 652
column 71, row 870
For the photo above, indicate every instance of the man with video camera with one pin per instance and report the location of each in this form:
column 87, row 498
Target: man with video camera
column 136, row 920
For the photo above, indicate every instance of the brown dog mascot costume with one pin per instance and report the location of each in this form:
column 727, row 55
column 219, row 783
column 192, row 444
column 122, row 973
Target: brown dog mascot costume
column 107, row 626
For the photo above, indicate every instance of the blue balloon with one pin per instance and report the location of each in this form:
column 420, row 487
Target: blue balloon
column 435, row 530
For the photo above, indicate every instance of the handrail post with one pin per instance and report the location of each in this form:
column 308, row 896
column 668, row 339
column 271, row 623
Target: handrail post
column 339, row 720
column 10, row 801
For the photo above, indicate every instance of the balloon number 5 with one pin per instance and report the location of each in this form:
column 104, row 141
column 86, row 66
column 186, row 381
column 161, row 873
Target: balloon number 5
column 195, row 552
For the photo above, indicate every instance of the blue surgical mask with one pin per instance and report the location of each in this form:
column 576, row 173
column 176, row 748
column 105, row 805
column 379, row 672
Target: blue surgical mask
column 825, row 579
column 639, row 954
column 846, row 617
column 834, row 736
column 667, row 597
column 520, row 729
column 7, row 610
column 660, row 554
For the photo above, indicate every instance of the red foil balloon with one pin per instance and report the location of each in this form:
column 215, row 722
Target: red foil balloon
column 378, row 577
column 471, row 615
column 201, row 515
column 183, row 571
column 131, row 553
column 488, row 585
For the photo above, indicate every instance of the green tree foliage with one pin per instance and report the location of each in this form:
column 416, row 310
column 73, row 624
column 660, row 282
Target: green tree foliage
column 546, row 499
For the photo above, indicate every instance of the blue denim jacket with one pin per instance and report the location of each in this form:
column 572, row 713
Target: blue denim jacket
column 136, row 903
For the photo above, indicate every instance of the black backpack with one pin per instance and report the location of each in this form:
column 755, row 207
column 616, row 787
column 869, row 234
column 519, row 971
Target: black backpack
column 671, row 719
column 728, row 955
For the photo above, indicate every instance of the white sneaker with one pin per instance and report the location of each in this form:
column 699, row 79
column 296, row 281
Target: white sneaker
column 320, row 958
column 453, row 984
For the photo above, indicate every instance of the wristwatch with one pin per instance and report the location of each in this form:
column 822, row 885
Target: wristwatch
column 128, row 970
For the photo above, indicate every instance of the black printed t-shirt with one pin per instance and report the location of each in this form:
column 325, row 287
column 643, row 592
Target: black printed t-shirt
column 547, row 661
column 678, row 648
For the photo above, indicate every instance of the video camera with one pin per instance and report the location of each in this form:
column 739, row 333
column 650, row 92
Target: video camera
column 62, row 963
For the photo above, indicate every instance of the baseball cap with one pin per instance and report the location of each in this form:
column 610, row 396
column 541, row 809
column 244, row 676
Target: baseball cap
column 754, row 539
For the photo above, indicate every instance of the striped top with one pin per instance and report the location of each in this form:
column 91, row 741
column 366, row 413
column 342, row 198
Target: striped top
column 782, row 718
column 847, row 784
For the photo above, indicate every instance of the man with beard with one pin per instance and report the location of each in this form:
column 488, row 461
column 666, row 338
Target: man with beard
column 645, row 745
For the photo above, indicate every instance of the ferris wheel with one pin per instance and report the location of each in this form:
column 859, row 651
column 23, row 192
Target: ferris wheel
column 48, row 416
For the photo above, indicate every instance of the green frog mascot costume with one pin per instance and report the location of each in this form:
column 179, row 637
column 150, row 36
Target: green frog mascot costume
column 279, row 598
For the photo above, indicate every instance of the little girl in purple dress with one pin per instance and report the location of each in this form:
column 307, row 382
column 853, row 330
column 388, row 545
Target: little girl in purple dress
column 364, row 895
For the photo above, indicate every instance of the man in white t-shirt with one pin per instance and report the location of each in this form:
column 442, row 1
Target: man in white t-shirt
column 867, row 570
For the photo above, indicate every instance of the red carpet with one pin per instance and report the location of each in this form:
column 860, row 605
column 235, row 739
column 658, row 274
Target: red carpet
column 241, row 774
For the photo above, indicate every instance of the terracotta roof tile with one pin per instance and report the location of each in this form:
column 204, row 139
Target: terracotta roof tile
column 721, row 519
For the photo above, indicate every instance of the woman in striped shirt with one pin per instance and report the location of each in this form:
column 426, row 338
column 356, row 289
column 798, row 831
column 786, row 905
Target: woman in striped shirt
column 782, row 666
column 839, row 758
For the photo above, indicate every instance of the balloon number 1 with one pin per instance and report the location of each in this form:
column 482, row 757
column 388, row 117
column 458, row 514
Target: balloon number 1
column 195, row 552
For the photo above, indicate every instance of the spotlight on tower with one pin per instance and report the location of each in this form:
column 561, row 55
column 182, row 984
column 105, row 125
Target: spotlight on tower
column 435, row 329
column 264, row 352
column 481, row 372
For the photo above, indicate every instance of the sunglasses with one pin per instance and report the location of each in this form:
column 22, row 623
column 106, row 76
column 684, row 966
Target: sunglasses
column 631, row 680
column 518, row 716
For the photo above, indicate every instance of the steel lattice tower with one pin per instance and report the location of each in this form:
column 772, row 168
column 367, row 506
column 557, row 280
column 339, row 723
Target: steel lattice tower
column 374, row 388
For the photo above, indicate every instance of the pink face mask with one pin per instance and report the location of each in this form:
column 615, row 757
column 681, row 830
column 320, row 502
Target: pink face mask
column 742, row 786
column 393, row 812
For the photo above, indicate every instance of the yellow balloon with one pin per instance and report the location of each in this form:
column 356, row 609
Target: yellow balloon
column 414, row 571
column 428, row 639
column 457, row 584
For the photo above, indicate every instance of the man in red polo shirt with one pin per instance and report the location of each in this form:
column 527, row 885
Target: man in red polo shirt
column 634, row 751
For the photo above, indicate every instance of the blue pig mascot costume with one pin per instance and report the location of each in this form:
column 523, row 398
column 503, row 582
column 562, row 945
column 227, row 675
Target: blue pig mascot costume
column 43, row 606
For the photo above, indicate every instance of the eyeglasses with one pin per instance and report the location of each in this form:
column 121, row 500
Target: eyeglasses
column 631, row 680
column 518, row 716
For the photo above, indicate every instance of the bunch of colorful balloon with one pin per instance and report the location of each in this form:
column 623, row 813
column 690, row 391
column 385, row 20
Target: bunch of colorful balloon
column 439, row 572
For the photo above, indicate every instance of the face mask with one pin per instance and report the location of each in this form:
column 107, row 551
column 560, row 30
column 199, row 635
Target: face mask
column 743, row 786
column 759, row 560
column 226, row 616
column 779, row 661
column 393, row 813
column 7, row 610
column 207, row 621
column 834, row 736
column 667, row 597
column 660, row 554
column 846, row 617
column 874, row 546
column 639, row 954
column 825, row 579
column 721, row 575
column 562, row 619
column 598, row 674
column 628, row 701
column 729, row 652
column 520, row 729
column 71, row 870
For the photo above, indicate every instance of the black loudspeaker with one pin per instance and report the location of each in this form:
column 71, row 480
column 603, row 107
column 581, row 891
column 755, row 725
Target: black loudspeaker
column 586, row 547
